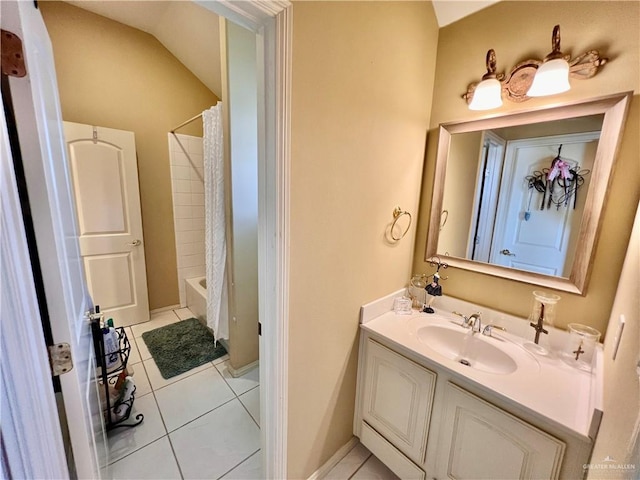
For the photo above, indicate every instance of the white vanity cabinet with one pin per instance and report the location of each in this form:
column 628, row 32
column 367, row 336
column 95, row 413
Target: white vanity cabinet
column 424, row 422
column 480, row 441
column 397, row 397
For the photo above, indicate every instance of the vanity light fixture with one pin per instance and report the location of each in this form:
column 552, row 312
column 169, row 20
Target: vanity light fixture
column 488, row 93
column 532, row 77
column 553, row 75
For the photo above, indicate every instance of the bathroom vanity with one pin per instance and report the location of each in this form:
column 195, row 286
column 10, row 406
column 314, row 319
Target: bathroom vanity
column 436, row 400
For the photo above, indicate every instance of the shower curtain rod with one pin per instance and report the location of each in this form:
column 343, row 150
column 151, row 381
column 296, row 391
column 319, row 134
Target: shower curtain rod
column 186, row 123
column 189, row 121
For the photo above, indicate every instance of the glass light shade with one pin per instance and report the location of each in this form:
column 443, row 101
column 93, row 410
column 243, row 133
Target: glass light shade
column 487, row 95
column 552, row 77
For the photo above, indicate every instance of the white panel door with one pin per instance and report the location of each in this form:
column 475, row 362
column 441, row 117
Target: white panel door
column 104, row 174
column 543, row 241
column 39, row 123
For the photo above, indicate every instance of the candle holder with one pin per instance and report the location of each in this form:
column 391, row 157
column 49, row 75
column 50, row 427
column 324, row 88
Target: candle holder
column 580, row 346
column 543, row 313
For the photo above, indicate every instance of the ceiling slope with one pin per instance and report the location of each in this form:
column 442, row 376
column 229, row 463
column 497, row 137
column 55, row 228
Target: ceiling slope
column 190, row 32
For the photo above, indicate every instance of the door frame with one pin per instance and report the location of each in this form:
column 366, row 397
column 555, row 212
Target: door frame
column 272, row 23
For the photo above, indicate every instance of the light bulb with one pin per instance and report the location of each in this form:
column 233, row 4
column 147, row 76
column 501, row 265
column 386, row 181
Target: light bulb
column 487, row 95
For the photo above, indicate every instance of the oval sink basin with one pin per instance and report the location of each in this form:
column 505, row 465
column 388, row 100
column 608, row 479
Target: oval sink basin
column 467, row 349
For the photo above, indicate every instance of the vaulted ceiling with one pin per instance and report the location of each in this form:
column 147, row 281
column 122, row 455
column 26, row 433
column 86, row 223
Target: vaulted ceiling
column 191, row 32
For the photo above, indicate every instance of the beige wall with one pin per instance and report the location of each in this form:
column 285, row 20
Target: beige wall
column 520, row 30
column 115, row 76
column 618, row 435
column 240, row 91
column 361, row 96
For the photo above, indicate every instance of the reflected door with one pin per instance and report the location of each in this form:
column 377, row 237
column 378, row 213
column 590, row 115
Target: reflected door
column 527, row 236
column 105, row 182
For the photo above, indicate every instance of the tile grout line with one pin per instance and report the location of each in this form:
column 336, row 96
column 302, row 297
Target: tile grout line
column 164, row 424
column 361, row 465
column 175, row 457
column 238, row 464
column 183, row 378
column 110, row 464
column 245, row 407
column 200, row 416
column 167, row 434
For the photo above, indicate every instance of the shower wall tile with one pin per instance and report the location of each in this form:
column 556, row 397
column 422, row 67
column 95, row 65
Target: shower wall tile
column 197, row 211
column 197, row 173
column 179, row 172
column 182, row 186
column 197, row 186
column 182, row 211
column 190, row 272
column 191, row 260
column 197, row 199
column 190, row 236
column 195, row 145
column 198, row 160
column 182, row 199
column 180, row 158
column 187, row 179
column 191, row 249
column 182, row 225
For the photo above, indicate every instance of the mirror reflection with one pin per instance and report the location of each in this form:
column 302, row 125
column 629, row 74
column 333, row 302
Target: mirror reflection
column 520, row 196
column 515, row 196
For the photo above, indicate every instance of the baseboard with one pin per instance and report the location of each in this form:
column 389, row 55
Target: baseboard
column 334, row 460
column 165, row 309
column 242, row 370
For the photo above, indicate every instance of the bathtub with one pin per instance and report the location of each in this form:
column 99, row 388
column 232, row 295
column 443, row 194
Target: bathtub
column 196, row 290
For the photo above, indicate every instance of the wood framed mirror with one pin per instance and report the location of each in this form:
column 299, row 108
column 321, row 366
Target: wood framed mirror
column 486, row 214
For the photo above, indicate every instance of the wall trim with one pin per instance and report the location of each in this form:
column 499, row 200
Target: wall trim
column 342, row 452
column 238, row 372
column 165, row 309
column 271, row 21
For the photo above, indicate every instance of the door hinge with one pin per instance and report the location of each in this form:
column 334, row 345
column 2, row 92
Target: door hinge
column 60, row 359
column 12, row 55
column 259, row 328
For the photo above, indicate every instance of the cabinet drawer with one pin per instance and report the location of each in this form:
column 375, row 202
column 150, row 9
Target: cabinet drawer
column 389, row 455
column 397, row 399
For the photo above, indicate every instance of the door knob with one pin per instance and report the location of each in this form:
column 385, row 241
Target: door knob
column 507, row 252
column 135, row 243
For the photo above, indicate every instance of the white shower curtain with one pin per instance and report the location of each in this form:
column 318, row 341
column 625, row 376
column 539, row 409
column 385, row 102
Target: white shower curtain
column 215, row 235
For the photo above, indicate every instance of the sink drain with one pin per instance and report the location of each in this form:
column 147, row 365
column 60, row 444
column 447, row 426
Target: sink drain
column 465, row 362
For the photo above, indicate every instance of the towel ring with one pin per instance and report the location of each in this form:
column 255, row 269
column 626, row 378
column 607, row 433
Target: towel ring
column 444, row 217
column 397, row 214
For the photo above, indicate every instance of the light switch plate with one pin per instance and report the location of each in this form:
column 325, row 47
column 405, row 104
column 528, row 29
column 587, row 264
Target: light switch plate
column 618, row 337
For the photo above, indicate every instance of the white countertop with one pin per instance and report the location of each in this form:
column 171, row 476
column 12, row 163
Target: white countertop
column 543, row 384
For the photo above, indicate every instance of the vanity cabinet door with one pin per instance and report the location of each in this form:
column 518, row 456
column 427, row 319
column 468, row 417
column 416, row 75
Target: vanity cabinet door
column 397, row 397
column 480, row 441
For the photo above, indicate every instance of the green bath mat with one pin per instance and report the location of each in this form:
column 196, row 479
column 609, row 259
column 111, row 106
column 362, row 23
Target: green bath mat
column 181, row 346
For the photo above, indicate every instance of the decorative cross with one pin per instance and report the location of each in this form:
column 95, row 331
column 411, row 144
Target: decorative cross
column 579, row 351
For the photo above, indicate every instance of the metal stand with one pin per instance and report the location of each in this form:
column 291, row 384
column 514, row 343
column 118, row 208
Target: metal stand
column 109, row 377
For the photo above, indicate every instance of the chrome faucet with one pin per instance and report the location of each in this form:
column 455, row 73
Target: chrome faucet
column 472, row 321
column 488, row 329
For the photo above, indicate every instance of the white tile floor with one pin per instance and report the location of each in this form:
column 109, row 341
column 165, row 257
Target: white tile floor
column 360, row 464
column 201, row 424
